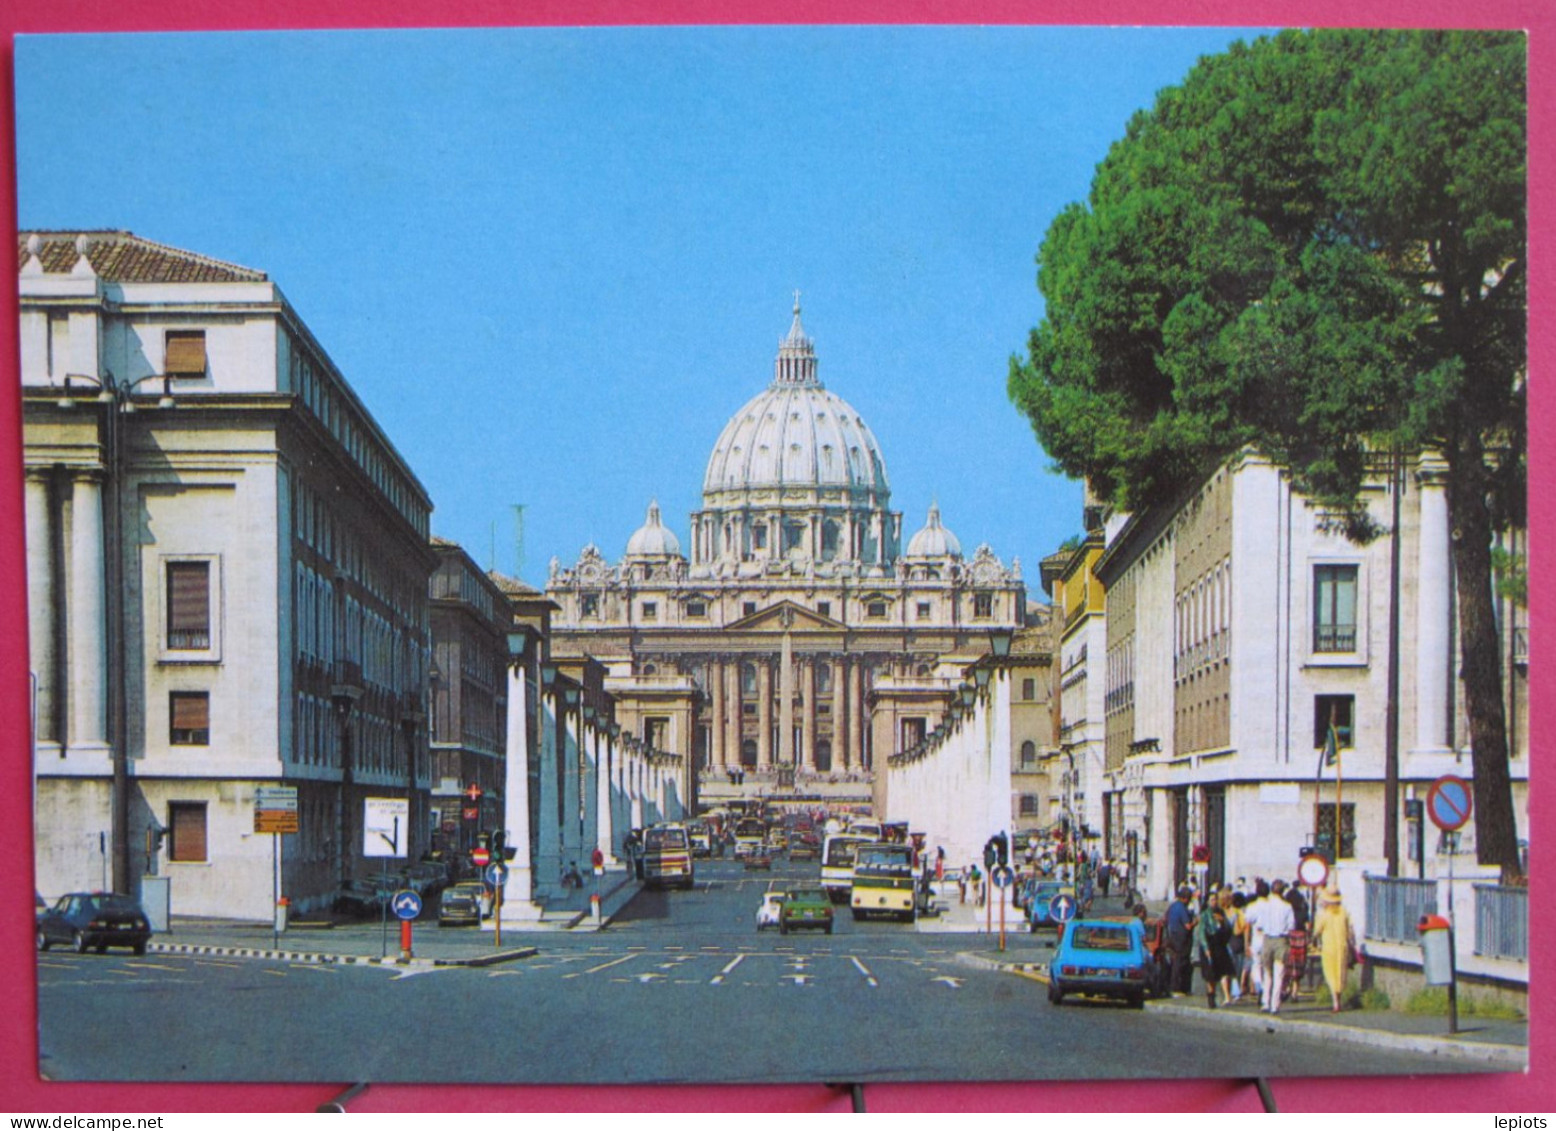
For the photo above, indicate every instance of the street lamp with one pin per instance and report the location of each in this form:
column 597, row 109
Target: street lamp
column 117, row 398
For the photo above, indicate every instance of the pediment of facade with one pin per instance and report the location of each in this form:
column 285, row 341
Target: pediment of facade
column 786, row 616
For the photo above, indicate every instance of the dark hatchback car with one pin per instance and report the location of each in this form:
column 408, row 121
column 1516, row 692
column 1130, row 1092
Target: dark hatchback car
column 94, row 921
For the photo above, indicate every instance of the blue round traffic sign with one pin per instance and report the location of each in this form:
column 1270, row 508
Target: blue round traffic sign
column 406, row 904
column 1003, row 876
column 1449, row 803
column 1061, row 908
column 496, row 874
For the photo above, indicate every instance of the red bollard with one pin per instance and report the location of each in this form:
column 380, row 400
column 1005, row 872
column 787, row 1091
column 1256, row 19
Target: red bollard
column 405, row 940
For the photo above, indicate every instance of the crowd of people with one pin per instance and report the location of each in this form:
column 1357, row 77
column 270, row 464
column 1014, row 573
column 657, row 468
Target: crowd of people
column 1250, row 941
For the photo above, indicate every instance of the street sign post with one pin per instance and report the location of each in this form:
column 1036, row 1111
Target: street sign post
column 407, row 905
column 1449, row 803
column 275, row 814
column 1313, row 871
column 1003, row 877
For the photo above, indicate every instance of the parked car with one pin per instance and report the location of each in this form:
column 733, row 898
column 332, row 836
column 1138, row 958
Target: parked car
column 463, row 903
column 1101, row 957
column 768, row 914
column 807, row 906
column 94, row 921
column 804, row 847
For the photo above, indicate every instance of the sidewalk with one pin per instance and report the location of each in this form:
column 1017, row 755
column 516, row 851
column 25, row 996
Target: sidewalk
column 360, row 942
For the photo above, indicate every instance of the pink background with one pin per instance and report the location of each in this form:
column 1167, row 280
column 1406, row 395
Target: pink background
column 20, row 1088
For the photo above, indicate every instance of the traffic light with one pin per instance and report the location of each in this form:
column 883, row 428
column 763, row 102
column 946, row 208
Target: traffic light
column 499, row 842
column 1002, row 849
column 990, row 854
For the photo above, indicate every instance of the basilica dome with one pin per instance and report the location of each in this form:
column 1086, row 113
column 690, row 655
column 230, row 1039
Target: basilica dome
column 796, row 434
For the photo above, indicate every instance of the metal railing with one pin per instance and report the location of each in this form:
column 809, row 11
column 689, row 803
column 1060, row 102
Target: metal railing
column 1502, row 922
column 1395, row 906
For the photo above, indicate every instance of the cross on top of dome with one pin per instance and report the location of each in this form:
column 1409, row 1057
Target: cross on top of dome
column 796, row 364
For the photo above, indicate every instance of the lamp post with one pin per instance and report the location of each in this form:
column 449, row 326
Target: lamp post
column 117, row 399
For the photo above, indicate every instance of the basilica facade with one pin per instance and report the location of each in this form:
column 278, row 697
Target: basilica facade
column 798, row 644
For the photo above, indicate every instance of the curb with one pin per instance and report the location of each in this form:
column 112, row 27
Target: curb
column 1499, row 1055
column 1509, row 1056
column 319, row 958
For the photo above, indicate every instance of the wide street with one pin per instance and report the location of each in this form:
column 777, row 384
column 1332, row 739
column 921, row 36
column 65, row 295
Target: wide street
column 682, row 987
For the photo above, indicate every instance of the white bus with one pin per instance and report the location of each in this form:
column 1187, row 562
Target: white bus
column 837, row 864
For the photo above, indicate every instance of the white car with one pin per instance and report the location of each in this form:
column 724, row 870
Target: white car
column 767, row 914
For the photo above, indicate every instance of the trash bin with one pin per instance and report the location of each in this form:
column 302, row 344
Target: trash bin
column 1436, row 950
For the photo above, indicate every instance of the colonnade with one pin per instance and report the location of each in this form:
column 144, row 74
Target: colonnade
column 779, row 681
column 955, row 785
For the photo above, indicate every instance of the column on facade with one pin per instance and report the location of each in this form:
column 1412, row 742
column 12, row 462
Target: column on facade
column 807, row 757
column 733, row 712
column 840, row 748
column 856, row 711
column 88, row 616
column 1434, row 608
column 785, row 752
column 570, row 755
column 764, row 713
column 635, row 788
column 718, row 757
column 41, row 601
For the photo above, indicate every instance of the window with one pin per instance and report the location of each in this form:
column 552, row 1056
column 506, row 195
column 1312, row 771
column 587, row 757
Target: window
column 1029, row 755
column 875, row 610
column 589, row 605
column 793, row 536
column 748, row 679
column 912, row 732
column 759, row 537
column 823, row 678
column 185, row 353
column 1028, row 690
column 189, row 606
column 748, row 753
column 748, row 609
column 186, row 831
column 923, row 610
column 1334, row 608
column 696, row 609
column 189, row 714
column 1028, row 805
column 1347, row 829
column 828, row 541
column 983, row 605
column 824, row 608
column 650, row 610
column 1338, row 709
column 656, row 731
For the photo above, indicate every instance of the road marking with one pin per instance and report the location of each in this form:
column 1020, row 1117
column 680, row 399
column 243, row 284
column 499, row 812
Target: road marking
column 799, row 979
column 318, row 969
column 423, row 970
column 649, row 977
column 719, row 977
column 152, row 966
column 597, row 969
column 274, row 973
column 868, row 977
column 123, row 973
column 506, row 974
column 674, row 948
column 954, row 983
column 226, row 965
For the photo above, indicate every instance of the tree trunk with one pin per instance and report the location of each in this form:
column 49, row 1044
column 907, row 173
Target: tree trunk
column 1496, row 832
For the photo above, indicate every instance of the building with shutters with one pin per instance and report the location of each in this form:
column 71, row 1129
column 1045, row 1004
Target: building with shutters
column 227, row 566
column 796, row 641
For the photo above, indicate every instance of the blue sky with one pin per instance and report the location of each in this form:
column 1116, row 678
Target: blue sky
column 553, row 263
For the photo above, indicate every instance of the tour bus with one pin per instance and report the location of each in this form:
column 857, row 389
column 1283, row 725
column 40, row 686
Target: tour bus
column 867, row 828
column 837, row 864
column 883, row 881
column 750, row 835
column 667, row 856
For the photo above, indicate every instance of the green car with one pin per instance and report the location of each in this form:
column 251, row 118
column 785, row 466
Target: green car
column 807, row 905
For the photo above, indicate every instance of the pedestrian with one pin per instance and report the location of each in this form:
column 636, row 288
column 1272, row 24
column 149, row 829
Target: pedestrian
column 1255, row 940
column 1121, row 874
column 1336, row 942
column 961, row 886
column 977, row 886
column 1238, row 947
column 1272, row 915
column 1180, row 941
column 1299, row 907
column 1105, row 877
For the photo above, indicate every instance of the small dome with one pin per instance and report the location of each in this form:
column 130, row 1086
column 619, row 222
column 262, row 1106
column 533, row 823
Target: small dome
column 653, row 538
column 934, row 541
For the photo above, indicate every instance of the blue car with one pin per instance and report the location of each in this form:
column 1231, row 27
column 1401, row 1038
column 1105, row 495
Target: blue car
column 1101, row 957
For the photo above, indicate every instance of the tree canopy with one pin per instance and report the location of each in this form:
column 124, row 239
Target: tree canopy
column 1316, row 245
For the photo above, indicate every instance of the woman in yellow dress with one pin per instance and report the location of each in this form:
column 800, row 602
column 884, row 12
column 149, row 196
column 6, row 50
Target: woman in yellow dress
column 1336, row 942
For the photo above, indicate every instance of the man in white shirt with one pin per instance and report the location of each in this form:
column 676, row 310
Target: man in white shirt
column 1272, row 916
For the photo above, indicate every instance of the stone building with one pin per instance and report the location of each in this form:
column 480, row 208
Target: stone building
column 227, row 567
column 798, row 643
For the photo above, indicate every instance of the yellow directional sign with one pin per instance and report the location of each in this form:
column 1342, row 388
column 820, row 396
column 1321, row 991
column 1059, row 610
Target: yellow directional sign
column 275, row 821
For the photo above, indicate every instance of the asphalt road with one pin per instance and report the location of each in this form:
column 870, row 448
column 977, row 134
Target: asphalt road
column 681, row 988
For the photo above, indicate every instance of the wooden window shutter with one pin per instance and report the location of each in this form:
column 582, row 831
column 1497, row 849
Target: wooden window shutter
column 187, row 820
column 185, row 353
column 190, row 718
column 189, row 605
